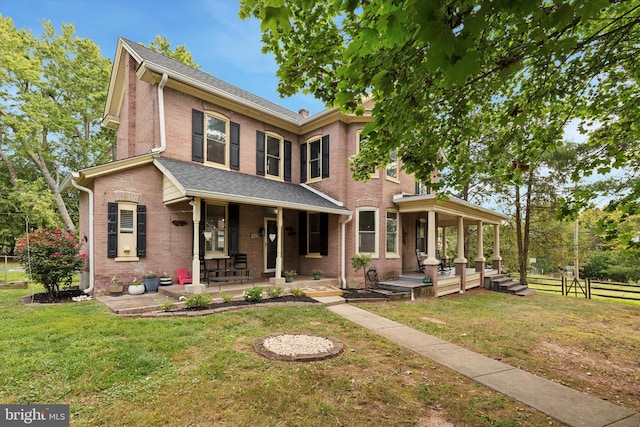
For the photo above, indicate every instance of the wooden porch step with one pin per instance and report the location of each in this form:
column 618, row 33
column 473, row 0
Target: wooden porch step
column 526, row 292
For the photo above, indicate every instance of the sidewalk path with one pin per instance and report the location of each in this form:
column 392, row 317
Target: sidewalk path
column 560, row 402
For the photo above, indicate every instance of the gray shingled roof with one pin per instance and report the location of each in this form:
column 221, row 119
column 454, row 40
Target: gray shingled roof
column 216, row 183
column 179, row 69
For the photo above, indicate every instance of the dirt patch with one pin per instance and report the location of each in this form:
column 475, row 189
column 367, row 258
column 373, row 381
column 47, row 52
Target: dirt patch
column 434, row 419
column 434, row 320
column 616, row 382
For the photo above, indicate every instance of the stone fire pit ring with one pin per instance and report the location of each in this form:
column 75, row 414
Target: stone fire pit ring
column 297, row 347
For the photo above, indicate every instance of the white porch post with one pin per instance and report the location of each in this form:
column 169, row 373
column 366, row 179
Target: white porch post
column 497, row 259
column 443, row 254
column 278, row 279
column 431, row 263
column 460, row 261
column 195, row 287
column 480, row 259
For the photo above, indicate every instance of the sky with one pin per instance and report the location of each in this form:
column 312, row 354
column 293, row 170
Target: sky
column 219, row 41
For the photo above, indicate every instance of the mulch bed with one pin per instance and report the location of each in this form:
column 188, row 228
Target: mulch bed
column 64, row 296
column 355, row 294
column 241, row 303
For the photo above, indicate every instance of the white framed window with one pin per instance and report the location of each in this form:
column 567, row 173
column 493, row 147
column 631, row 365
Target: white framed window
column 217, row 142
column 392, row 166
column 274, row 155
column 367, row 231
column 360, row 140
column 392, row 233
column 215, row 231
column 314, row 159
column 127, row 230
column 314, row 153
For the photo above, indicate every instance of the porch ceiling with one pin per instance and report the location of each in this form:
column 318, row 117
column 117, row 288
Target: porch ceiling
column 448, row 210
column 188, row 179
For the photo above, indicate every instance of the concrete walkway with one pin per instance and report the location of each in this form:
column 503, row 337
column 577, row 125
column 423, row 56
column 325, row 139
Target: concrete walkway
column 560, row 402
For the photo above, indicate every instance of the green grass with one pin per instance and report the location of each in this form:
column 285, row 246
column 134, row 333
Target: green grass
column 203, row 371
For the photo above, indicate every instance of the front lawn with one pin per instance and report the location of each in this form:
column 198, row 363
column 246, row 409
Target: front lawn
column 203, row 371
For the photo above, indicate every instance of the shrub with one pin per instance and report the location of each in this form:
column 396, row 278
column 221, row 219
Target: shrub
column 197, row 301
column 275, row 292
column 254, row 294
column 167, row 304
column 51, row 257
column 226, row 297
column 297, row 292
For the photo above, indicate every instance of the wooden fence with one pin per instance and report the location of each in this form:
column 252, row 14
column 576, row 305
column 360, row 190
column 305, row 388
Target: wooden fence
column 586, row 287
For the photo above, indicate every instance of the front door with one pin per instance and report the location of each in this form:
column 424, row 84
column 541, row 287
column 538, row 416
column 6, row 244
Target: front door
column 270, row 245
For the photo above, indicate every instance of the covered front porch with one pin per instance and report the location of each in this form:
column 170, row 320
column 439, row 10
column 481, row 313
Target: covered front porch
column 432, row 216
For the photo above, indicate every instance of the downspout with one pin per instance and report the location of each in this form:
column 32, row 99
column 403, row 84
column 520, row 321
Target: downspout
column 163, row 136
column 343, row 238
column 91, row 245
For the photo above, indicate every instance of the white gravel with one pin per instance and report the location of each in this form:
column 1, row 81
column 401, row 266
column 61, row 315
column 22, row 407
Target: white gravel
column 292, row 345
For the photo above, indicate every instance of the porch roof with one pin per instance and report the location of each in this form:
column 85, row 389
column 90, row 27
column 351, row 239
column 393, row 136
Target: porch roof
column 448, row 209
column 187, row 179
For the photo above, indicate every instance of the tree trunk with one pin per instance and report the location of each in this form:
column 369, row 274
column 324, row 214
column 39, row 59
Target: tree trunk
column 62, row 208
column 13, row 175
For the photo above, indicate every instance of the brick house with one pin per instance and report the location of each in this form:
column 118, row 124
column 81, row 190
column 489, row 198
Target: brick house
column 205, row 170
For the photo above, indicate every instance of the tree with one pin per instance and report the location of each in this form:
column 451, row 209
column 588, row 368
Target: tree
column 435, row 69
column 180, row 53
column 52, row 91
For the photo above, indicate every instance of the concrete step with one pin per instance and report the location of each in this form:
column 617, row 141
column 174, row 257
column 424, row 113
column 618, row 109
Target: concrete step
column 524, row 293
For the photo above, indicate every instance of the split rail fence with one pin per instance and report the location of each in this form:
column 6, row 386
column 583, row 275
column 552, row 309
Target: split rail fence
column 586, row 287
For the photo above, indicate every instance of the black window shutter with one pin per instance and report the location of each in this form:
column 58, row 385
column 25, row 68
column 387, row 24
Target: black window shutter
column 287, row 160
column 197, row 136
column 417, row 188
column 112, row 230
column 303, row 162
column 203, row 211
column 325, row 156
column 141, row 230
column 259, row 153
column 233, row 226
column 235, row 147
column 324, row 233
column 302, row 240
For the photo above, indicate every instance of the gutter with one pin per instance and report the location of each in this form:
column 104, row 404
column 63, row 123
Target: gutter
column 91, row 233
column 343, row 238
column 163, row 135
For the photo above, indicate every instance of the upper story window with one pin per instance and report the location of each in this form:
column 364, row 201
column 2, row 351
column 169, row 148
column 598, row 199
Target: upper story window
column 273, row 155
column 392, row 167
column 392, row 233
column 359, row 141
column 422, row 189
column 314, row 159
column 217, row 147
column 215, row 140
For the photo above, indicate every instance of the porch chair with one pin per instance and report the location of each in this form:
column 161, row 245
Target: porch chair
column 183, row 276
column 443, row 264
column 420, row 261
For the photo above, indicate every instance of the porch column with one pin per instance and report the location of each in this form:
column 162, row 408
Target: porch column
column 443, row 252
column 497, row 259
column 431, row 263
column 480, row 259
column 195, row 287
column 461, row 261
column 278, row 279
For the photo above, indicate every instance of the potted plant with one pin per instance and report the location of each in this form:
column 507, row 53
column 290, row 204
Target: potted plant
column 165, row 279
column 289, row 275
column 115, row 287
column 317, row 274
column 136, row 287
column 151, row 282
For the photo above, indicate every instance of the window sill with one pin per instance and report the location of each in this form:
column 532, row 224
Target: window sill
column 127, row 258
column 392, row 256
column 314, row 256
